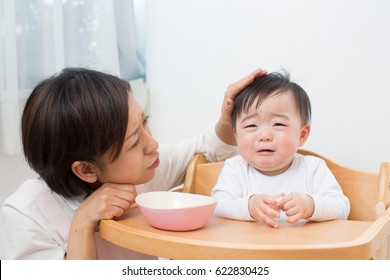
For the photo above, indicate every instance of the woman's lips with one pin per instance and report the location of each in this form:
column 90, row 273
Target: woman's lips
column 156, row 163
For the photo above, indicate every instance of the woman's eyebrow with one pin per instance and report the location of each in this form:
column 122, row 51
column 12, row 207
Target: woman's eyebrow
column 134, row 132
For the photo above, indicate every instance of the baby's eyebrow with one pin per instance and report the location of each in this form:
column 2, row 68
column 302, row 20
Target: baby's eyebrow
column 249, row 117
column 283, row 116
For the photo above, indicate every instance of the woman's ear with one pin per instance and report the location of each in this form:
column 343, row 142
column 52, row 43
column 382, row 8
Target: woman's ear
column 305, row 132
column 86, row 171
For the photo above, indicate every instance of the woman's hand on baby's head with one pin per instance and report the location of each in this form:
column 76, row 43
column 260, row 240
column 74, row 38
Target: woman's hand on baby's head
column 236, row 88
column 297, row 206
column 224, row 126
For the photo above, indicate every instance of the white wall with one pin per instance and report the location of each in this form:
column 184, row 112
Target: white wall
column 337, row 50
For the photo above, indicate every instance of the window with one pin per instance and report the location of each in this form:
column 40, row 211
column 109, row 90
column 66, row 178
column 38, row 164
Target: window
column 41, row 37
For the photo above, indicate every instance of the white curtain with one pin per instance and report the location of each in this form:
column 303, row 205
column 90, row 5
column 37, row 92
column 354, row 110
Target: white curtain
column 41, row 37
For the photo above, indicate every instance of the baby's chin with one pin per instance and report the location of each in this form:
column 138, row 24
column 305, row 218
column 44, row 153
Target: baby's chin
column 271, row 171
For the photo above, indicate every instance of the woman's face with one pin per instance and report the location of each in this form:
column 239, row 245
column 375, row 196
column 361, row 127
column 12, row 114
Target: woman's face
column 138, row 158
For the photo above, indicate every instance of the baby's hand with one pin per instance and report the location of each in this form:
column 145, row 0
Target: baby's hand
column 297, row 206
column 263, row 208
column 279, row 197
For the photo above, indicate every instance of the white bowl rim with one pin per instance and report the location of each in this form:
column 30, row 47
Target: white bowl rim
column 206, row 200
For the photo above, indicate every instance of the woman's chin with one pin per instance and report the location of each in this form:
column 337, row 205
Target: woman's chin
column 146, row 178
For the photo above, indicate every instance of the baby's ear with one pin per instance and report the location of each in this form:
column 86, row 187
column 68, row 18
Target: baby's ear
column 86, row 171
column 305, row 132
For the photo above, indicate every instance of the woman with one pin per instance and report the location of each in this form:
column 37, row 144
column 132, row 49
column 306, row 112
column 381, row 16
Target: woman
column 88, row 139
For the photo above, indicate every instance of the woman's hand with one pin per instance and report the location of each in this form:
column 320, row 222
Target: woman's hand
column 224, row 128
column 107, row 202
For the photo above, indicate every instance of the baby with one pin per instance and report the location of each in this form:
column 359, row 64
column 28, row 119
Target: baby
column 268, row 181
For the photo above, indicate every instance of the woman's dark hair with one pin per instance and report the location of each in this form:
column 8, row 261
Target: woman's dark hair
column 76, row 115
column 265, row 86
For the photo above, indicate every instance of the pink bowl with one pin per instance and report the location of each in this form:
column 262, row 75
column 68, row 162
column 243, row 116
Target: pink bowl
column 176, row 211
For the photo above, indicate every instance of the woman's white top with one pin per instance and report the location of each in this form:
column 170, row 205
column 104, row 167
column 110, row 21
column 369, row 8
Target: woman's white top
column 26, row 230
column 307, row 174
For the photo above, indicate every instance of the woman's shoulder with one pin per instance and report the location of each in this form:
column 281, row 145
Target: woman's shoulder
column 20, row 209
column 26, row 224
column 26, row 194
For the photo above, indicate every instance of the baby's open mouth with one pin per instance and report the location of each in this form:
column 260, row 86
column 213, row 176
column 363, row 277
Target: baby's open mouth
column 265, row 151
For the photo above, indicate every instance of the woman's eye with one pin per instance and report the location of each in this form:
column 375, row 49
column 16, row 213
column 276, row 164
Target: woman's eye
column 135, row 144
column 145, row 121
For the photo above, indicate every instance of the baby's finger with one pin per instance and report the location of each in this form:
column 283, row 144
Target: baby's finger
column 292, row 211
column 268, row 221
column 270, row 211
column 263, row 218
column 295, row 218
column 286, row 203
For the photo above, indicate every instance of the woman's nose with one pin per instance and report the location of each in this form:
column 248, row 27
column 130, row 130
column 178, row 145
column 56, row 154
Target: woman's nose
column 151, row 144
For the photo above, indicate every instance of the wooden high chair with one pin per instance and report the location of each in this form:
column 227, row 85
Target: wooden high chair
column 368, row 194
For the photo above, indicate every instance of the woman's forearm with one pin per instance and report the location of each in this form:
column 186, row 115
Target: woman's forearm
column 81, row 243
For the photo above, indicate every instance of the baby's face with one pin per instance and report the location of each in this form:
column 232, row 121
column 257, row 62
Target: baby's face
column 269, row 136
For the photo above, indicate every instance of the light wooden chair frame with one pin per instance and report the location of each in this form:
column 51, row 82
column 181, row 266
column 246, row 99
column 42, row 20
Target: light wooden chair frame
column 368, row 193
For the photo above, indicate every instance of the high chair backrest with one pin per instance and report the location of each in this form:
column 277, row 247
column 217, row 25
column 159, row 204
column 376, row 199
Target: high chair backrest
column 368, row 192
